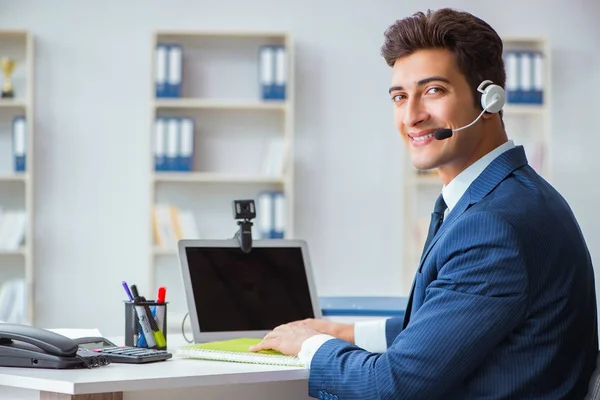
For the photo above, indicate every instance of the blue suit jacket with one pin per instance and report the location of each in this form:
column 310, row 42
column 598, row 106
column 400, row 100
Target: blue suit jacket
column 504, row 305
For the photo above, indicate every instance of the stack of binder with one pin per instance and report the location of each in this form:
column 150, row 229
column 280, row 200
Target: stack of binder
column 270, row 214
column 174, row 144
column 169, row 70
column 524, row 77
column 272, row 67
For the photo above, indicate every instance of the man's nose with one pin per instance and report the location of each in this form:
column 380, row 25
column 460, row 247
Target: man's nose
column 415, row 112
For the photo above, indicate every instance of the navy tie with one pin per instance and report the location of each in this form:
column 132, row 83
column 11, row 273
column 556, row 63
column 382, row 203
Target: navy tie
column 437, row 217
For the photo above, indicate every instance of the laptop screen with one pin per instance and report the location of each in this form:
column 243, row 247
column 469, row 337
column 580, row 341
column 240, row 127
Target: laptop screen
column 235, row 291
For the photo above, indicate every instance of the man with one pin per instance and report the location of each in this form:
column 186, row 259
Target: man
column 503, row 304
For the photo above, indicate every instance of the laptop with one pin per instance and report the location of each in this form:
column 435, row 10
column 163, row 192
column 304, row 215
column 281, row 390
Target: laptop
column 231, row 294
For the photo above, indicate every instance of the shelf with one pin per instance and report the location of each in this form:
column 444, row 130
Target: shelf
column 159, row 251
column 213, row 177
column 524, row 109
column 223, row 104
column 222, row 34
column 427, row 179
column 13, row 252
column 13, row 177
column 12, row 103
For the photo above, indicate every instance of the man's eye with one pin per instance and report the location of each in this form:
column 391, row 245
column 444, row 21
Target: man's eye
column 435, row 90
column 397, row 97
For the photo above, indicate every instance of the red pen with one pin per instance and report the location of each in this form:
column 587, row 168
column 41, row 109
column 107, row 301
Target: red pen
column 160, row 311
column 162, row 293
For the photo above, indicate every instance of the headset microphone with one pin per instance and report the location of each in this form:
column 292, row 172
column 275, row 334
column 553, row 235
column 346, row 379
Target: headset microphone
column 492, row 101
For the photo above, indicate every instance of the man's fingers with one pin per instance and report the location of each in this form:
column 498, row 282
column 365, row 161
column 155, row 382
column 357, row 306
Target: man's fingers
column 266, row 344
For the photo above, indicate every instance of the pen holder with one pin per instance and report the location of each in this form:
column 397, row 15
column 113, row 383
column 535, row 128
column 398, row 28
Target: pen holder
column 146, row 324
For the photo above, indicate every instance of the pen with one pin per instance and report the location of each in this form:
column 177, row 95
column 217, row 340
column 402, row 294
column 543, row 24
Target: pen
column 127, row 291
column 158, row 312
column 136, row 332
column 145, row 322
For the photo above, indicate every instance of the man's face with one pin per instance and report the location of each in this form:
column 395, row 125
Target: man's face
column 429, row 92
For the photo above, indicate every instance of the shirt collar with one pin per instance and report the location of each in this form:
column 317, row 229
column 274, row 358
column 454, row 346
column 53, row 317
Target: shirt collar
column 459, row 185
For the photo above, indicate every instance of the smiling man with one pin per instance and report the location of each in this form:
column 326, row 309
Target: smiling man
column 503, row 303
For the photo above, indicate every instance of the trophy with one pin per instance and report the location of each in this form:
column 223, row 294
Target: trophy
column 7, row 65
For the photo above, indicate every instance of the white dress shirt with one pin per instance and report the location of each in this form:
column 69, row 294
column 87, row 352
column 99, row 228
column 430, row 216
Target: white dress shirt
column 370, row 335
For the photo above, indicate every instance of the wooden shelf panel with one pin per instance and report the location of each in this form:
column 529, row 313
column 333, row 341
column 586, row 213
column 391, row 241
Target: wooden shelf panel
column 220, row 34
column 21, row 251
column 223, row 104
column 10, row 104
column 213, row 177
column 159, row 251
column 13, row 177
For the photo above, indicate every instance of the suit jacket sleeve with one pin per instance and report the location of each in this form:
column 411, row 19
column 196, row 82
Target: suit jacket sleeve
column 393, row 327
column 478, row 297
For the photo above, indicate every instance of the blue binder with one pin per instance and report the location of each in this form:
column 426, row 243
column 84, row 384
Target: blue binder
column 172, row 148
column 280, row 73
column 160, row 138
column 278, row 231
column 266, row 72
column 186, row 144
column 161, row 60
column 538, row 78
column 19, row 134
column 513, row 92
column 174, row 70
column 265, row 224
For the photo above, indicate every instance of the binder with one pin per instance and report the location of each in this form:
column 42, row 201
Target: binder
column 160, row 135
column 186, row 144
column 174, row 71
column 264, row 215
column 19, row 143
column 266, row 70
column 280, row 73
column 511, row 61
column 538, row 78
column 173, row 128
column 526, row 76
column 278, row 215
column 237, row 350
column 161, row 53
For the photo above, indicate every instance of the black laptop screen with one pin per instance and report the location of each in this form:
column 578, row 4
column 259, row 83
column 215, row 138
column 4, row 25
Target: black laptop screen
column 234, row 291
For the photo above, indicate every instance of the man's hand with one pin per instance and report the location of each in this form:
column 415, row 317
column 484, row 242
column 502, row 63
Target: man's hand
column 286, row 339
column 335, row 329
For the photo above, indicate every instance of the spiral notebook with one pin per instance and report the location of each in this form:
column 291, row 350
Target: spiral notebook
column 236, row 350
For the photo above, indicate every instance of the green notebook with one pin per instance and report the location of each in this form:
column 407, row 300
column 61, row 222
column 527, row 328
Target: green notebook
column 236, row 350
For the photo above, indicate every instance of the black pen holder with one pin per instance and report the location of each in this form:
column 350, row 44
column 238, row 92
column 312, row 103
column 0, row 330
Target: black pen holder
column 140, row 331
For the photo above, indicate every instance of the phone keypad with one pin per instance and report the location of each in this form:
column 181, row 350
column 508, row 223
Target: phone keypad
column 134, row 355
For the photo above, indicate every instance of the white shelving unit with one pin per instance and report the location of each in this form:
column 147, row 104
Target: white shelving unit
column 16, row 188
column 221, row 93
column 526, row 124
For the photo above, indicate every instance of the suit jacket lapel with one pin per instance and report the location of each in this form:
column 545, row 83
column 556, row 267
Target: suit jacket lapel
column 491, row 177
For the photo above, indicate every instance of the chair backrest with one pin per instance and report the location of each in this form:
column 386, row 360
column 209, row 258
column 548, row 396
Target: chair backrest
column 594, row 386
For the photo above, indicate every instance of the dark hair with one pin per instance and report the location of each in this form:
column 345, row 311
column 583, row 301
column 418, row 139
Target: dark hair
column 476, row 46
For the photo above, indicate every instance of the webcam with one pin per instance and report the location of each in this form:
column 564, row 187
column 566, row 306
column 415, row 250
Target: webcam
column 244, row 210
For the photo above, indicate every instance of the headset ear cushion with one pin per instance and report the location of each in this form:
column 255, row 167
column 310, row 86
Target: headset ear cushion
column 489, row 94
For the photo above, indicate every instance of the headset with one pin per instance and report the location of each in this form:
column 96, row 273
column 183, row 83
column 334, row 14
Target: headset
column 493, row 98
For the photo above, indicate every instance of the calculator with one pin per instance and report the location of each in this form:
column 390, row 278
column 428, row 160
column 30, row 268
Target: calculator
column 122, row 354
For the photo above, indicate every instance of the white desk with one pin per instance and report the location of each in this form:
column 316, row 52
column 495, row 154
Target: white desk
column 173, row 379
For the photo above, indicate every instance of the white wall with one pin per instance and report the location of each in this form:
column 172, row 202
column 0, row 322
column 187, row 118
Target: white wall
column 92, row 125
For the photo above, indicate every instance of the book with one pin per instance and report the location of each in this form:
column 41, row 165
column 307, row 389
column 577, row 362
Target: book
column 236, row 350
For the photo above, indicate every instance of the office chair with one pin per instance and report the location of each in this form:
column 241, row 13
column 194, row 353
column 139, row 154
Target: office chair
column 594, row 386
